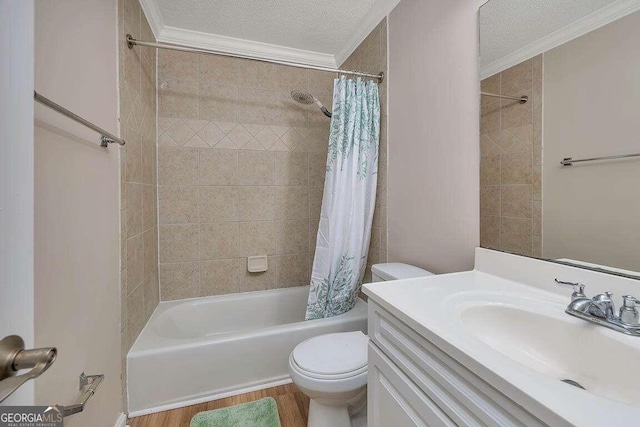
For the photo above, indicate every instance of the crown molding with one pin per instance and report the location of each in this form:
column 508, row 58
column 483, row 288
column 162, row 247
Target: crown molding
column 585, row 25
column 154, row 17
column 378, row 11
column 248, row 48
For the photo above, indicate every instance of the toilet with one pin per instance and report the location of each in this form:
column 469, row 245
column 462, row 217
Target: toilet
column 331, row 369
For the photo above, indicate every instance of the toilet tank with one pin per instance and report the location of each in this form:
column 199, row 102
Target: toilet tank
column 396, row 271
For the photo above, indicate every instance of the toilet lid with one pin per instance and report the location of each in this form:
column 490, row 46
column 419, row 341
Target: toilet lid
column 332, row 354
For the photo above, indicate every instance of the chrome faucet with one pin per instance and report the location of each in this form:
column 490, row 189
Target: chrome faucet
column 601, row 309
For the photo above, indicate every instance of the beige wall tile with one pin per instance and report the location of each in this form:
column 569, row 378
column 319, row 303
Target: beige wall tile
column 514, row 114
column 516, row 234
column 218, row 167
column 218, row 102
column 321, row 81
column 256, row 105
column 257, row 74
column 291, row 203
column 178, row 98
column 220, row 69
column 256, row 203
column 219, row 240
column 490, row 170
column 490, row 232
column 135, row 261
column 133, row 150
column 516, row 201
column 135, row 311
column 249, row 282
column 292, row 270
column 517, row 79
column 256, row 168
column 490, row 200
column 151, row 292
column 291, row 168
column 179, row 243
column 179, row 281
column 218, row 204
column 515, row 168
column 490, row 117
column 150, row 251
column 134, row 212
column 178, row 205
column 257, row 238
column 175, row 65
column 219, row 277
column 537, row 218
column 177, row 166
column 149, row 207
column 292, row 237
column 317, row 168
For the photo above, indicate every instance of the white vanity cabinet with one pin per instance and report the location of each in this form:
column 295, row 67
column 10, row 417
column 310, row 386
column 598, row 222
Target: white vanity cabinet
column 413, row 383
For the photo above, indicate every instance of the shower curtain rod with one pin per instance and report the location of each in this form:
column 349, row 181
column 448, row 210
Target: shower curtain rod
column 133, row 42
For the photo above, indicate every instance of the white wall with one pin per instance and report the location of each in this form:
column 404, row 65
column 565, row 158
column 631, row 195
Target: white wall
column 591, row 108
column 16, row 178
column 77, row 302
column 433, row 134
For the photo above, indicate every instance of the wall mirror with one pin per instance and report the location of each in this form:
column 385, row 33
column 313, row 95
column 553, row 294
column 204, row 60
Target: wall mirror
column 560, row 131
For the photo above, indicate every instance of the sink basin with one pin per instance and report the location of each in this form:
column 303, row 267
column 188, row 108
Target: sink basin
column 559, row 347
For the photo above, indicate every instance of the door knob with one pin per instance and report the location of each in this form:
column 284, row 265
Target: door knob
column 14, row 357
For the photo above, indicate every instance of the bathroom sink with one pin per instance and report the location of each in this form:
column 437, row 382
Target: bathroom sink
column 560, row 347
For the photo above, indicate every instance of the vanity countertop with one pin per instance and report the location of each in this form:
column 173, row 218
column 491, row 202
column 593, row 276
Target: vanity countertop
column 517, row 337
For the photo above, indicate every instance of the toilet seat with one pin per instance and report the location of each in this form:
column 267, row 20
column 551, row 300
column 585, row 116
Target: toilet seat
column 332, row 356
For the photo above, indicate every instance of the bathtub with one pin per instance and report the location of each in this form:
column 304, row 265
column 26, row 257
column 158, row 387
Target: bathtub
column 193, row 351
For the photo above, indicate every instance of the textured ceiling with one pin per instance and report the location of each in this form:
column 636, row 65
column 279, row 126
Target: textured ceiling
column 509, row 25
column 323, row 26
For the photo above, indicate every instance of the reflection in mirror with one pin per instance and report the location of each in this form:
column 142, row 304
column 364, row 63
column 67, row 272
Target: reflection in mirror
column 579, row 67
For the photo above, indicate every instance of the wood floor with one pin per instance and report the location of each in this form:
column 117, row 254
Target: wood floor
column 293, row 407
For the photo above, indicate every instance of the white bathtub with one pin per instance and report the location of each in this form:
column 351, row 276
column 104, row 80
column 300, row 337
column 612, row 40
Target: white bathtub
column 197, row 350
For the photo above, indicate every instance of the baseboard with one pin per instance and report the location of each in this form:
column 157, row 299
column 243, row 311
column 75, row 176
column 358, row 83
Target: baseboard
column 121, row 421
column 208, row 398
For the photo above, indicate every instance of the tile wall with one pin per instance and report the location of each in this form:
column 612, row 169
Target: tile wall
column 240, row 173
column 139, row 232
column 371, row 57
column 241, row 170
column 511, row 161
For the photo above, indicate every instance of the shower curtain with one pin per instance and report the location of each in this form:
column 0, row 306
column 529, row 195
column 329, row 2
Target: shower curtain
column 348, row 200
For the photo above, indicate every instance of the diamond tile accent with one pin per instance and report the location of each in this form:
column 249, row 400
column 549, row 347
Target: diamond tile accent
column 253, row 145
column 226, row 127
column 196, row 142
column 279, row 130
column 196, row 125
column 253, row 129
column 266, row 137
column 180, row 132
column 291, row 139
column 165, row 140
column 279, row 146
column 226, row 143
column 239, row 135
column 211, row 134
column 165, row 123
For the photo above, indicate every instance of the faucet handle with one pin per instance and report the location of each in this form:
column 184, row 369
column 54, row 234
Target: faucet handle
column 628, row 312
column 578, row 289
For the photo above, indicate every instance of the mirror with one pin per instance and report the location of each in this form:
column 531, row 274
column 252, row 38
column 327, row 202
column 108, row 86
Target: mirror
column 560, row 169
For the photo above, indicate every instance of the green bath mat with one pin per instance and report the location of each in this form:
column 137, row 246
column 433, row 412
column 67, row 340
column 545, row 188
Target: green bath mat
column 261, row 413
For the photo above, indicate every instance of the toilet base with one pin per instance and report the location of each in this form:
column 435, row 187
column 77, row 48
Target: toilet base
column 328, row 416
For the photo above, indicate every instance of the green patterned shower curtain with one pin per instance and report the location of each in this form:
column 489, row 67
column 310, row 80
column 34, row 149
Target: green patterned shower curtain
column 348, row 201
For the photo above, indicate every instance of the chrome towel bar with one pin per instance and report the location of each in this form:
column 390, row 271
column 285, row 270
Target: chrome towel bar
column 568, row 161
column 93, row 382
column 522, row 99
column 105, row 139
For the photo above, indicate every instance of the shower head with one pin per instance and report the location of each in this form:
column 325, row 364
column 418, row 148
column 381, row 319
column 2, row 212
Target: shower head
column 306, row 98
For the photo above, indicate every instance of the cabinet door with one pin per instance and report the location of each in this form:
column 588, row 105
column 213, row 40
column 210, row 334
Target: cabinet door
column 395, row 401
